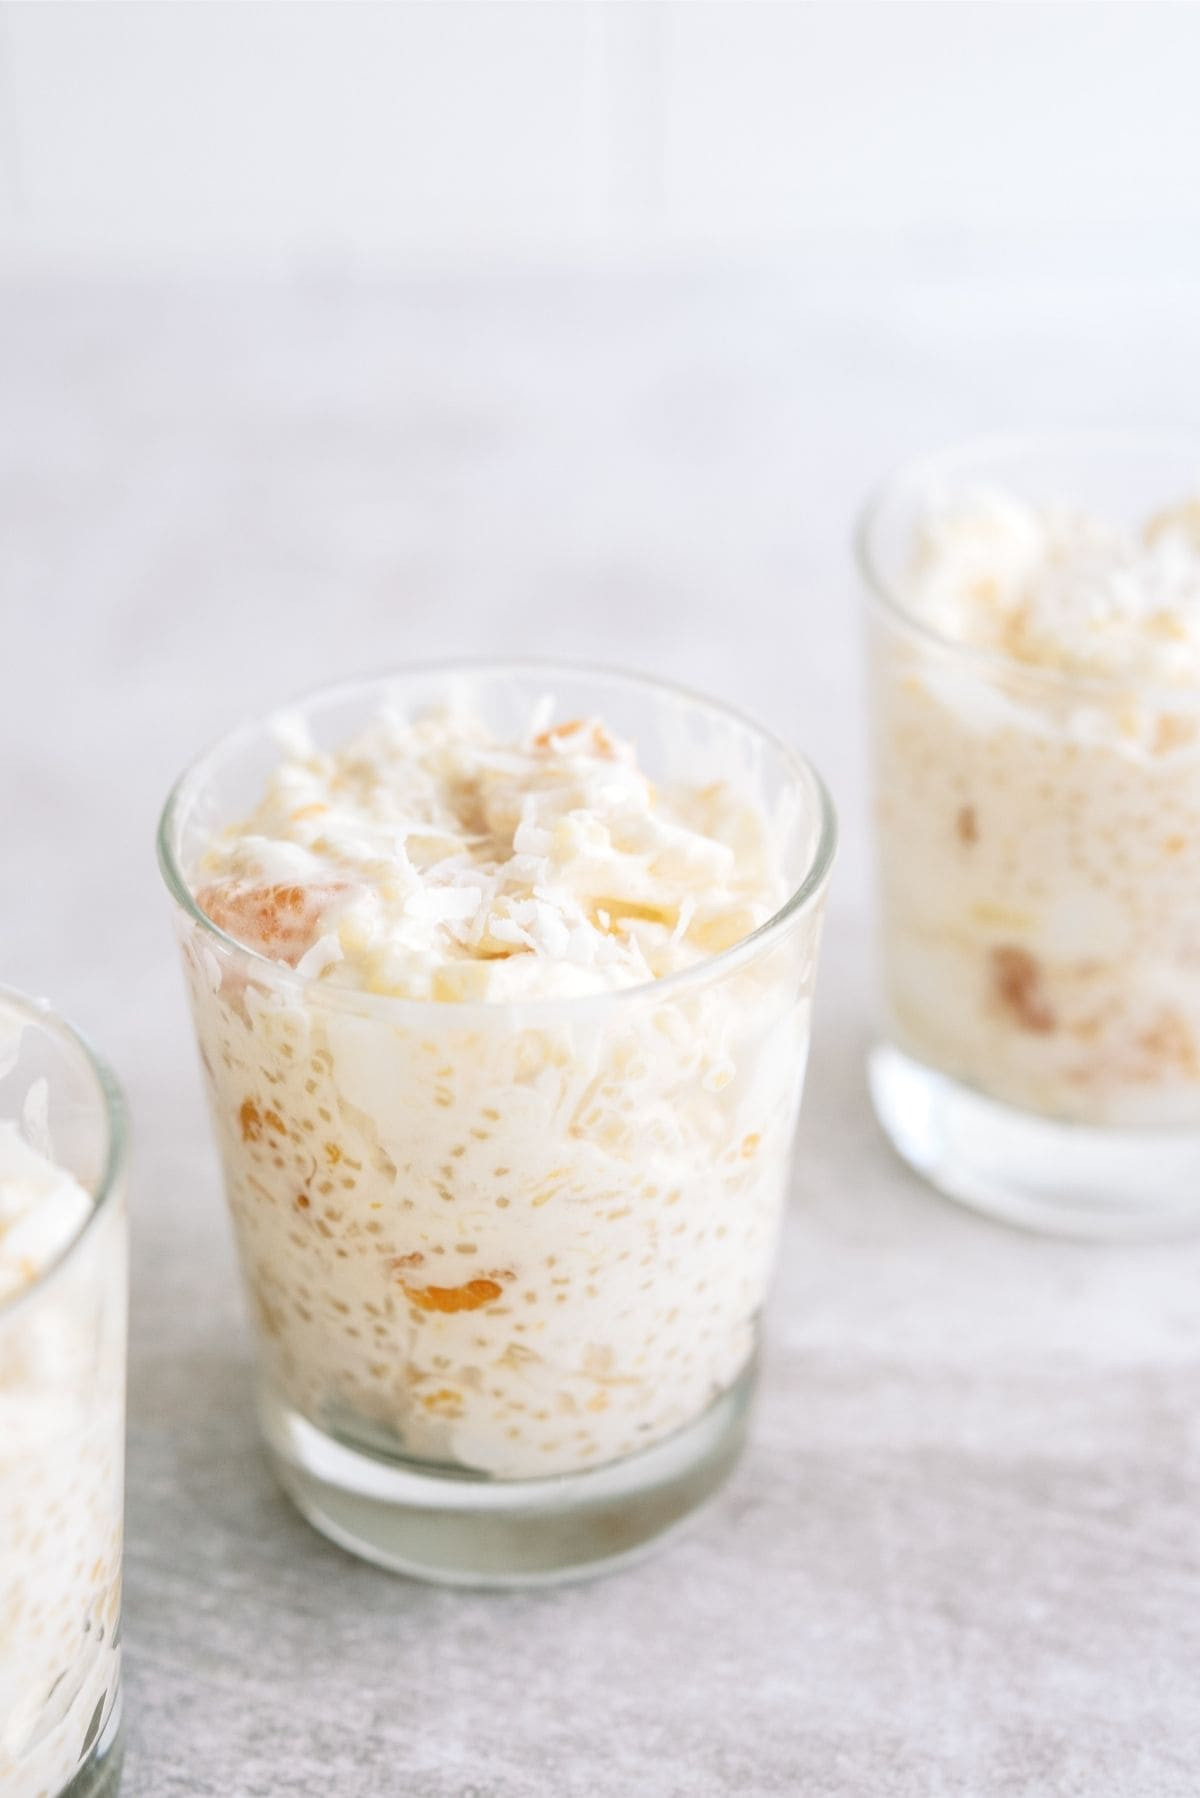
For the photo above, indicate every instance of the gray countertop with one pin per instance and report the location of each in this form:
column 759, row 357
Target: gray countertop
column 961, row 1555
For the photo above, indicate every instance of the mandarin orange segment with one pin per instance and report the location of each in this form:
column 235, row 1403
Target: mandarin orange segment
column 454, row 1298
column 280, row 921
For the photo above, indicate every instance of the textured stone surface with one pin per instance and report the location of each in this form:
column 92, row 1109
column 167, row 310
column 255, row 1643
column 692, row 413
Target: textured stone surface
column 962, row 1553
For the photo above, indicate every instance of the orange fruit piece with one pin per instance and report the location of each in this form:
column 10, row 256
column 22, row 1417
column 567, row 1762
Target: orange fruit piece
column 454, row 1298
column 282, row 922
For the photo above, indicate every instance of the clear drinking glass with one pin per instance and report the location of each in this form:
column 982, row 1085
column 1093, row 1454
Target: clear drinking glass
column 62, row 1422
column 592, row 1187
column 1038, row 846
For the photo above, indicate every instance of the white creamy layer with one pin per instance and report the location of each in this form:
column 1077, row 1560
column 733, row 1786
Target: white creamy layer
column 61, row 1453
column 524, row 1241
column 42, row 1209
column 426, row 860
column 1058, row 588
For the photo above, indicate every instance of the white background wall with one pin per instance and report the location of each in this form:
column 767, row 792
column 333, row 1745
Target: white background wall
column 150, row 135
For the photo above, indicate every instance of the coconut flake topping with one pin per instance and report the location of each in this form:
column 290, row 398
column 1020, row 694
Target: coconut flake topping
column 427, row 860
column 1062, row 589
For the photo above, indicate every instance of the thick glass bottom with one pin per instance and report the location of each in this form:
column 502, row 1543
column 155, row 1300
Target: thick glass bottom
column 1064, row 1179
column 464, row 1529
column 100, row 1774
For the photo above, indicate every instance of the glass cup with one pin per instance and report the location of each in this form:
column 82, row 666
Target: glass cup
column 1038, row 847
column 62, row 1423
column 506, row 1260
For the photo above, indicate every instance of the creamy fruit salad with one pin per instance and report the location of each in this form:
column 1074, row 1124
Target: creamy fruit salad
column 505, row 1141
column 1038, row 782
column 61, row 1466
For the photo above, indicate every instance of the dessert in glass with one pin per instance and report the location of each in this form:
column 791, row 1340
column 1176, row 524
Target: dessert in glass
column 504, row 1027
column 1035, row 702
column 63, row 1255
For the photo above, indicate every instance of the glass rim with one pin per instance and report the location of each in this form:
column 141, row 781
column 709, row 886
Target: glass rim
column 111, row 1101
column 803, row 895
column 885, row 596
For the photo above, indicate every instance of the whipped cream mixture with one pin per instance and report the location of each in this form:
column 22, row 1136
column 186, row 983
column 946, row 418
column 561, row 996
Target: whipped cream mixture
column 426, row 860
column 1056, row 587
column 41, row 1210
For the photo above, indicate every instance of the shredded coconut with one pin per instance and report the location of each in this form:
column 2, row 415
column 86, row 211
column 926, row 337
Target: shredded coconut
column 1060, row 588
column 427, row 860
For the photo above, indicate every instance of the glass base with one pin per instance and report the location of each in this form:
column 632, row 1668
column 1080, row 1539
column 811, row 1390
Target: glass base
column 464, row 1529
column 1064, row 1179
column 100, row 1774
